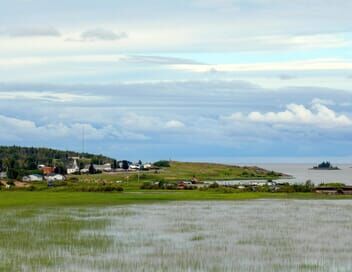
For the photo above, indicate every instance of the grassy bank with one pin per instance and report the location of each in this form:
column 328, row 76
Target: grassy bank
column 46, row 199
column 184, row 171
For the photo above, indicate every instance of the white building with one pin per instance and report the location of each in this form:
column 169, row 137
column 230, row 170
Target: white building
column 135, row 166
column 147, row 166
column 31, row 178
column 55, row 177
column 104, row 168
column 75, row 168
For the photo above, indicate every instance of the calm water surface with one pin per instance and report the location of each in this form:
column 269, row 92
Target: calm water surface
column 302, row 172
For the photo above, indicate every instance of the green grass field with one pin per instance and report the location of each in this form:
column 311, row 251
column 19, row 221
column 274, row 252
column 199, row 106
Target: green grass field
column 185, row 171
column 50, row 199
column 71, row 194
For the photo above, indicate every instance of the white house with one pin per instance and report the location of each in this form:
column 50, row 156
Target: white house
column 55, row 177
column 104, row 168
column 31, row 178
column 147, row 166
column 3, row 175
column 75, row 168
column 135, row 166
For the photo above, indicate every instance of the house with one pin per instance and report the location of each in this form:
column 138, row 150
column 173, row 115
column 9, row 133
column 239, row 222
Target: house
column 74, row 168
column 135, row 166
column 84, row 170
column 104, row 168
column 3, row 175
column 32, row 178
column 54, row 177
column 147, row 166
column 47, row 170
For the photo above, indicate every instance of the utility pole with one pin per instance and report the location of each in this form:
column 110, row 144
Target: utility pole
column 83, row 143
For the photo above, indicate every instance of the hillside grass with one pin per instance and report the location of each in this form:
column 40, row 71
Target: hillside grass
column 182, row 171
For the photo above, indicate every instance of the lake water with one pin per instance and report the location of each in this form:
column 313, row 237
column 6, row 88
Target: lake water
column 302, row 172
column 261, row 235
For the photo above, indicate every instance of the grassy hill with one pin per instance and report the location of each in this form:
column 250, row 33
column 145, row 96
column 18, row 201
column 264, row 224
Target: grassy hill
column 181, row 171
column 214, row 171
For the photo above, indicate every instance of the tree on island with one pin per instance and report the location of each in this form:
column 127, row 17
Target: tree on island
column 325, row 165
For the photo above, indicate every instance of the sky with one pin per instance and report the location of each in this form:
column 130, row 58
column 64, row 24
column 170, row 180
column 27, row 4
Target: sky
column 199, row 80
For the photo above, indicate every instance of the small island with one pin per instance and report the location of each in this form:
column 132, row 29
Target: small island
column 325, row 166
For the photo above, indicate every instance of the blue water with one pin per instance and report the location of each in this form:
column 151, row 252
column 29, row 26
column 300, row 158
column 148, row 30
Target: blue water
column 302, row 172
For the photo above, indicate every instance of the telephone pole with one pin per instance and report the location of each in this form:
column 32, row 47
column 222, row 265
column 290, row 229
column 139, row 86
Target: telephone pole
column 83, row 139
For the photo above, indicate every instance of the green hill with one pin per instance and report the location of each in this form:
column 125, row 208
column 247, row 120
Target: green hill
column 30, row 157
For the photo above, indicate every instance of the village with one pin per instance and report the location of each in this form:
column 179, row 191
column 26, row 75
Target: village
column 155, row 176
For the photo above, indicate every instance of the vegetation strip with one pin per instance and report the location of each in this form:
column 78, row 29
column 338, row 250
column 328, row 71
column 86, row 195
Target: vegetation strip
column 46, row 199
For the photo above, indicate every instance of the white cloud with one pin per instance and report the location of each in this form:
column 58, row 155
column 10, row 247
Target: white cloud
column 31, row 31
column 100, row 34
column 318, row 115
column 14, row 128
column 305, row 65
column 174, row 124
column 17, row 61
column 46, row 96
column 101, row 58
column 327, row 102
column 138, row 122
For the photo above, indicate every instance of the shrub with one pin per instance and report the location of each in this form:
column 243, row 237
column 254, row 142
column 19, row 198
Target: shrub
column 162, row 163
column 73, row 179
column 10, row 182
column 214, row 185
column 31, row 188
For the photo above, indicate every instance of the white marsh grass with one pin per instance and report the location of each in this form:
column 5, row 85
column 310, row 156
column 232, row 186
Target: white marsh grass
column 263, row 235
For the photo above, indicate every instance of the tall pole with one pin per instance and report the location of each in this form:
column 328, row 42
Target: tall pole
column 83, row 139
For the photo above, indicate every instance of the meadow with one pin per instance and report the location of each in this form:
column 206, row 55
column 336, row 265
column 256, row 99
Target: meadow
column 257, row 235
column 40, row 199
column 182, row 171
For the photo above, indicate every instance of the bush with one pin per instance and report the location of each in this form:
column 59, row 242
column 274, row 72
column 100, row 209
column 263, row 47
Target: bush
column 158, row 185
column 286, row 188
column 214, row 185
column 73, row 179
column 226, row 190
column 31, row 188
column 162, row 164
column 10, row 182
column 104, row 188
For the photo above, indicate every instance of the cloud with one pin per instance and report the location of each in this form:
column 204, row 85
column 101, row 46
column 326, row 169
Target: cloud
column 327, row 102
column 304, row 65
column 31, row 31
column 14, row 128
column 100, row 34
column 318, row 115
column 101, row 58
column 287, row 77
column 138, row 122
column 63, row 97
column 158, row 60
column 174, row 124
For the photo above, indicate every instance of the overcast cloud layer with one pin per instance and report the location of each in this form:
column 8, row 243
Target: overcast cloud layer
column 199, row 79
